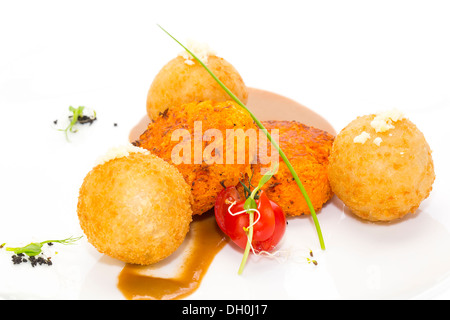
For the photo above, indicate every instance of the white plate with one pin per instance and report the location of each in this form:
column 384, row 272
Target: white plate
column 362, row 260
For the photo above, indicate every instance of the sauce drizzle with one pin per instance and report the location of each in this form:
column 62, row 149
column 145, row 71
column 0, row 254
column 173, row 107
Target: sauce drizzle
column 137, row 283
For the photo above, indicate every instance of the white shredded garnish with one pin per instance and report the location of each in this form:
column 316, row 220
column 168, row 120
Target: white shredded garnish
column 275, row 255
column 279, row 255
column 244, row 211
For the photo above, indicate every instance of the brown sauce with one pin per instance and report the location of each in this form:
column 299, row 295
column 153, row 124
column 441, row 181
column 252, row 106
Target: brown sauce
column 136, row 283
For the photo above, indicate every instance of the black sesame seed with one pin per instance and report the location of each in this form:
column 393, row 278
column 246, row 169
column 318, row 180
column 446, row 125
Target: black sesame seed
column 16, row 259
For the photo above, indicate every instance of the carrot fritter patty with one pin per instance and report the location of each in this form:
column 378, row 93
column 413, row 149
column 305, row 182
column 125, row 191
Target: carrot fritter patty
column 135, row 208
column 206, row 169
column 307, row 149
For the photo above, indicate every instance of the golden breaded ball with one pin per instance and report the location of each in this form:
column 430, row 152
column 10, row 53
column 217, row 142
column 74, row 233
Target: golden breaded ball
column 135, row 208
column 179, row 82
column 381, row 176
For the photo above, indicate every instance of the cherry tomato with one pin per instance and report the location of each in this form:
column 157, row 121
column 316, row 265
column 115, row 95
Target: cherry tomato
column 267, row 231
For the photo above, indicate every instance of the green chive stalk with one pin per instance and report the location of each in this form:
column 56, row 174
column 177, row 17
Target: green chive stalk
column 261, row 126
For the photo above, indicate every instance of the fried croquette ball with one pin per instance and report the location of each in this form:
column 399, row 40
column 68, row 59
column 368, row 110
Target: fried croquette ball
column 381, row 167
column 205, row 168
column 307, row 149
column 135, row 208
column 183, row 81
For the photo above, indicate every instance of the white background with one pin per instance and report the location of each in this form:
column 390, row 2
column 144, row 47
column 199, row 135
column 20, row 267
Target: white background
column 340, row 58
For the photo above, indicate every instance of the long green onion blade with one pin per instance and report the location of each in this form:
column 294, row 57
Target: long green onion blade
column 261, row 126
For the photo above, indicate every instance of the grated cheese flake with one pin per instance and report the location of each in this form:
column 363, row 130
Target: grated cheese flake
column 377, row 141
column 201, row 50
column 362, row 138
column 383, row 121
column 119, row 152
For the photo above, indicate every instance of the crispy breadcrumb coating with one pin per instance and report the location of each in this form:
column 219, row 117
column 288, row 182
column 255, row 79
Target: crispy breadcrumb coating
column 179, row 82
column 135, row 208
column 307, row 149
column 205, row 179
column 385, row 176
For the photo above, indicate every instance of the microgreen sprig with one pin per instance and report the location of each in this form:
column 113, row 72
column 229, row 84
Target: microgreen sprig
column 250, row 206
column 77, row 116
column 261, row 126
column 76, row 113
column 35, row 248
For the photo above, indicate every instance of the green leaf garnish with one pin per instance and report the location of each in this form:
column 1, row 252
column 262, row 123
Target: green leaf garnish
column 77, row 116
column 76, row 113
column 266, row 177
column 261, row 126
column 35, row 248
